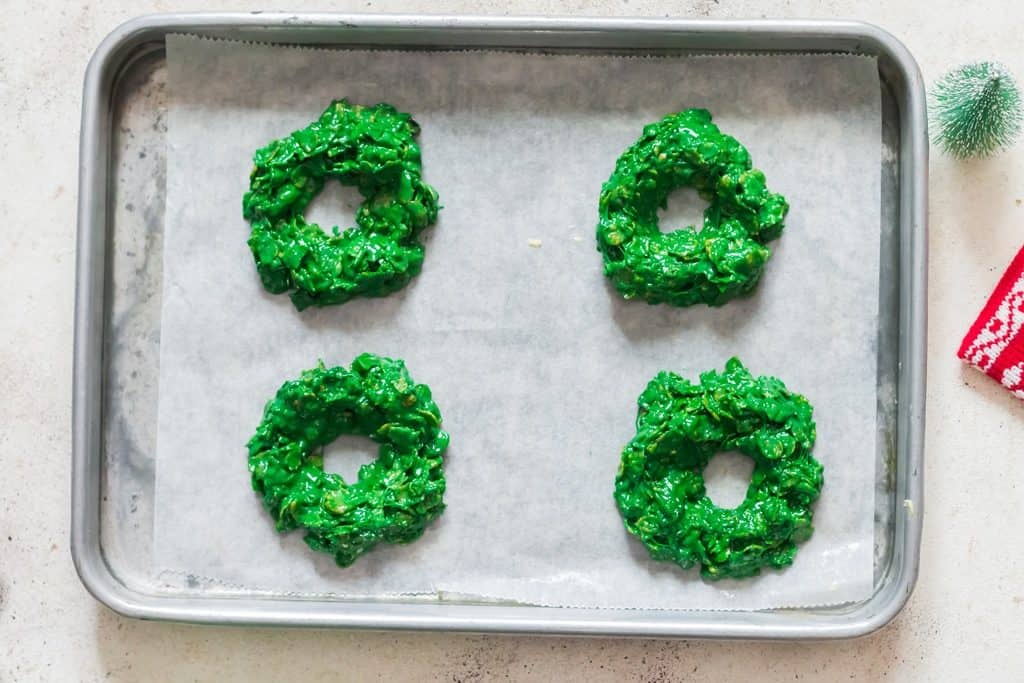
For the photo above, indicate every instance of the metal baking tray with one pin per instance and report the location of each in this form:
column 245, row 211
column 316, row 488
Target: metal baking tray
column 116, row 353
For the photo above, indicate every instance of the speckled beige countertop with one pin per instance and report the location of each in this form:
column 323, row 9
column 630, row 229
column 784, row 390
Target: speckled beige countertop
column 965, row 620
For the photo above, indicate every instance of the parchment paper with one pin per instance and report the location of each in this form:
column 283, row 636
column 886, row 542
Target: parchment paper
column 535, row 362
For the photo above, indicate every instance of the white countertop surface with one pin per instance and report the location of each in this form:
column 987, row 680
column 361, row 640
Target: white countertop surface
column 965, row 620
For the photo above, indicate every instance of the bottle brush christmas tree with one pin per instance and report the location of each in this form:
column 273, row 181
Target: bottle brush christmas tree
column 976, row 110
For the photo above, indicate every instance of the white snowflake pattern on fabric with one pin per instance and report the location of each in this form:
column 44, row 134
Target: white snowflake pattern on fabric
column 1004, row 326
column 1013, row 379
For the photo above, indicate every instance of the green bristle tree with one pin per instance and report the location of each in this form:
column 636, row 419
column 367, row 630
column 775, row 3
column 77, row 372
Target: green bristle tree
column 975, row 110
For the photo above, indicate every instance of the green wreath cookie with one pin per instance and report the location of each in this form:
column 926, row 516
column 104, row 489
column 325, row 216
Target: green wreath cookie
column 680, row 426
column 394, row 497
column 721, row 261
column 371, row 148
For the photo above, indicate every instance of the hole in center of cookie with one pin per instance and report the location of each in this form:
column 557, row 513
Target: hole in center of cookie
column 346, row 454
column 336, row 205
column 685, row 209
column 727, row 477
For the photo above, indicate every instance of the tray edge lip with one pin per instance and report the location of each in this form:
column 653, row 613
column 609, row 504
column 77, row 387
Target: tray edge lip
column 98, row 578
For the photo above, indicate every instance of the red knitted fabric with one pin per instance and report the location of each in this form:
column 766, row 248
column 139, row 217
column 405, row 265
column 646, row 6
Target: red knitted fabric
column 995, row 342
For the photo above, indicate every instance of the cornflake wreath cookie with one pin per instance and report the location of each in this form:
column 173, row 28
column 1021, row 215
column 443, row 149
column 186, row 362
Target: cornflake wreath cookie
column 370, row 148
column 680, row 426
column 721, row 261
column 393, row 498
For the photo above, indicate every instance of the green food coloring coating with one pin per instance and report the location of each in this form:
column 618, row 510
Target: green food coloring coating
column 721, row 261
column 370, row 148
column 393, row 498
column 680, row 426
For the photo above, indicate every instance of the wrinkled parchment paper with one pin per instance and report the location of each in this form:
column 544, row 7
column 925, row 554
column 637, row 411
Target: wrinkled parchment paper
column 535, row 362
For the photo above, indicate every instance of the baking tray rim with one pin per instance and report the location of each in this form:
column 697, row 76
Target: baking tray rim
column 897, row 67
